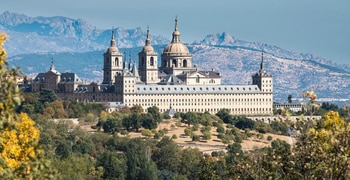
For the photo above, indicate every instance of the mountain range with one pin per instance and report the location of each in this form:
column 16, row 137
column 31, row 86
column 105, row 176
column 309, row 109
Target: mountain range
column 77, row 46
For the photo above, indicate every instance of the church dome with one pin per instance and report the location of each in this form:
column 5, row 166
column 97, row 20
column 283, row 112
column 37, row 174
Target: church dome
column 147, row 49
column 112, row 49
column 176, row 46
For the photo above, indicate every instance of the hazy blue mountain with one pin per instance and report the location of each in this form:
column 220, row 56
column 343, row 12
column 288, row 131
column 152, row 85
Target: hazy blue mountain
column 77, row 46
column 62, row 34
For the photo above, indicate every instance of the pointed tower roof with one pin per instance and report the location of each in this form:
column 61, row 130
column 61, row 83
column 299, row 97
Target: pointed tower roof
column 176, row 33
column 262, row 69
column 148, row 47
column 112, row 47
column 52, row 68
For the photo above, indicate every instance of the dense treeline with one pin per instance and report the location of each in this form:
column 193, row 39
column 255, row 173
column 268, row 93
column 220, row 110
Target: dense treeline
column 109, row 154
column 80, row 155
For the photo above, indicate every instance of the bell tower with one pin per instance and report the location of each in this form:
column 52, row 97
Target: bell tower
column 263, row 79
column 148, row 63
column 112, row 63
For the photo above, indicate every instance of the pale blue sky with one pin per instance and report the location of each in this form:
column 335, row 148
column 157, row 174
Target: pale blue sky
column 320, row 27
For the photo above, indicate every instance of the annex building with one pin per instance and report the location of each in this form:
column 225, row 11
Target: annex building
column 176, row 83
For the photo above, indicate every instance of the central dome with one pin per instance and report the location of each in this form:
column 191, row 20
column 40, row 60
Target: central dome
column 176, row 48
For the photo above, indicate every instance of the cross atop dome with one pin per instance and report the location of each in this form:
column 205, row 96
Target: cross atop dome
column 148, row 39
column 176, row 33
column 112, row 39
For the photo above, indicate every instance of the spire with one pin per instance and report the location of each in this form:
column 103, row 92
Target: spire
column 124, row 64
column 129, row 65
column 262, row 69
column 112, row 39
column 52, row 67
column 262, row 61
column 176, row 33
column 134, row 70
column 176, row 28
column 148, row 39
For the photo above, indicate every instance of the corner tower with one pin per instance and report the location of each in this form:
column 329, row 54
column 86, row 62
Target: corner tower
column 112, row 63
column 263, row 79
column 176, row 58
column 148, row 63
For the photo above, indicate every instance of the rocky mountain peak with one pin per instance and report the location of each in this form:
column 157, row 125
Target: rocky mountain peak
column 223, row 38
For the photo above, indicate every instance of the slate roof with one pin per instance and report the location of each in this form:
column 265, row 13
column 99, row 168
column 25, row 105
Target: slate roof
column 202, row 89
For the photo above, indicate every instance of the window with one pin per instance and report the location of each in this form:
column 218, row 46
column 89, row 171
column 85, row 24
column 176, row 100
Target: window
column 152, row 61
column 197, row 79
column 116, row 61
column 174, row 63
column 185, row 63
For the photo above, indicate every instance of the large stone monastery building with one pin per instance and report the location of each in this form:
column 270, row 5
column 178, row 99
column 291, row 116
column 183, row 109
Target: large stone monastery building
column 177, row 83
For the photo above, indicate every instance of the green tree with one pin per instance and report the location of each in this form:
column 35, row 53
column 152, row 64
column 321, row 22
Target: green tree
column 243, row 123
column 166, row 155
column 114, row 165
column 47, row 96
column 112, row 125
column 190, row 118
column 148, row 121
column 136, row 121
column 136, row 109
column 279, row 127
column 207, row 169
column 262, row 127
column 154, row 110
column 127, row 122
column 224, row 114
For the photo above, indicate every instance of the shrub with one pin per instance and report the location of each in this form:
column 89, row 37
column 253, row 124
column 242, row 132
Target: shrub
column 177, row 115
column 174, row 136
column 229, row 126
column 238, row 139
column 262, row 127
column 158, row 135
column 178, row 124
column 188, row 131
column 269, row 138
column 279, row 128
column 195, row 127
column 147, row 133
column 249, row 134
column 214, row 154
column 220, row 129
column 195, row 137
column 205, row 128
column 124, row 132
column 221, row 135
column 166, row 116
column 206, row 135
column 243, row 122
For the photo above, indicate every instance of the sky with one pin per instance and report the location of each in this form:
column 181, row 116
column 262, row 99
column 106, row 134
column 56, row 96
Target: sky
column 320, row 27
